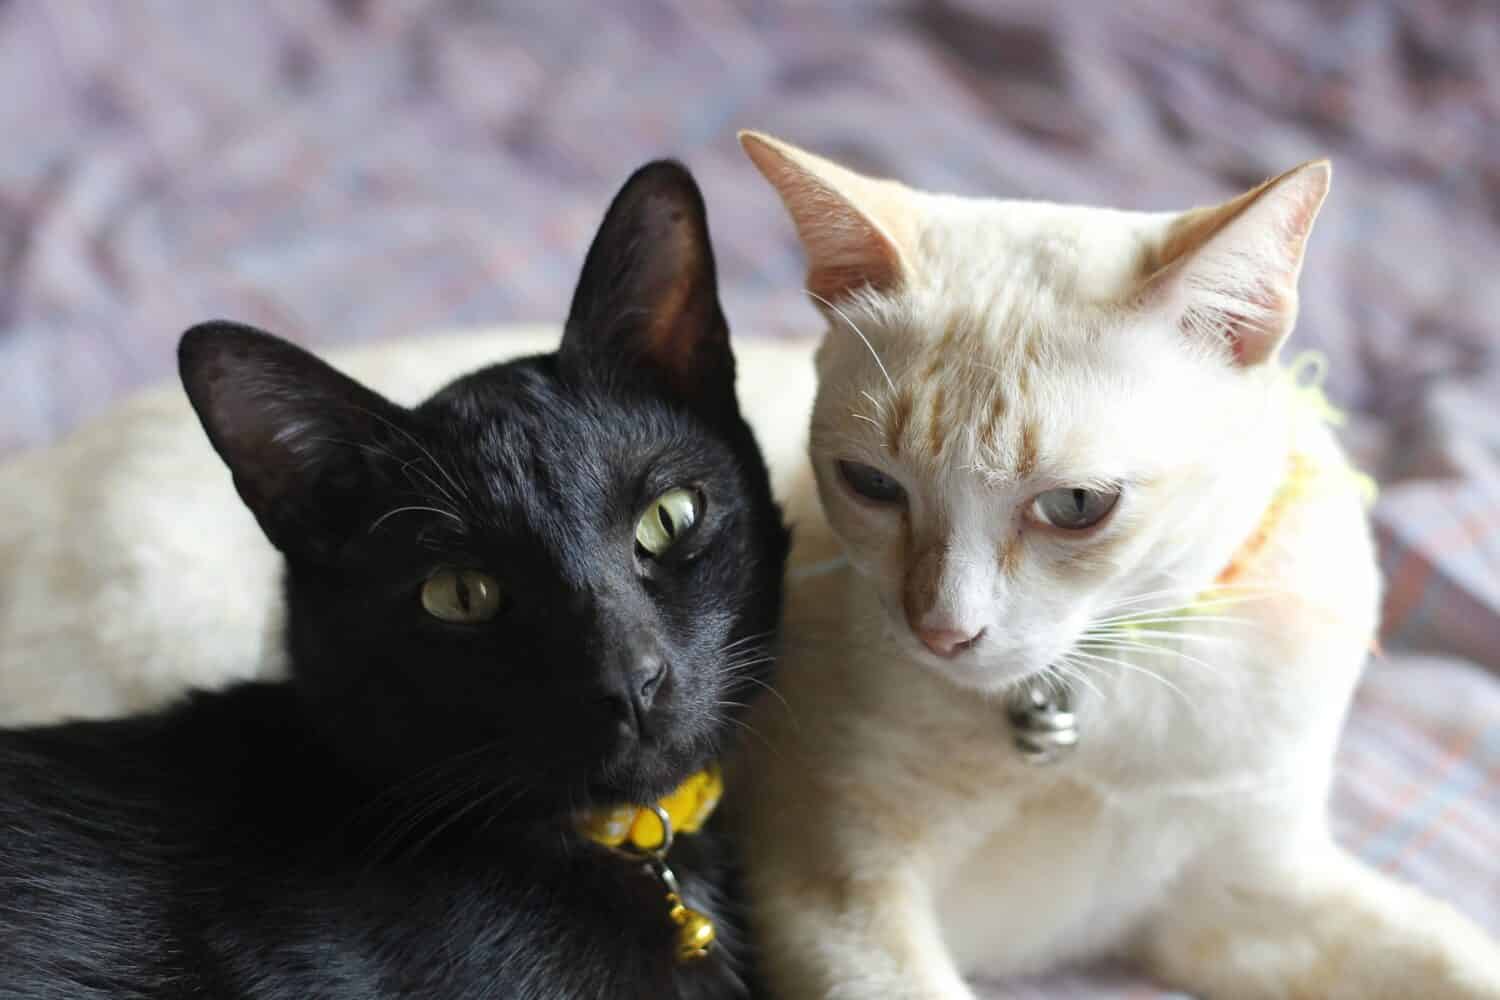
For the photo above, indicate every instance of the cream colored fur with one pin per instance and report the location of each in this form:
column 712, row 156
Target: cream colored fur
column 981, row 352
column 130, row 571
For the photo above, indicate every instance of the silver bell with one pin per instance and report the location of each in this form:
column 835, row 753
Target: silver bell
column 1042, row 722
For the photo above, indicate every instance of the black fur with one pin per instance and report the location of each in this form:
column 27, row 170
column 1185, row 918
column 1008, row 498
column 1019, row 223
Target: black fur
column 395, row 820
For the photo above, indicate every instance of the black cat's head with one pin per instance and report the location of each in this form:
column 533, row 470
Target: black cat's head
column 554, row 578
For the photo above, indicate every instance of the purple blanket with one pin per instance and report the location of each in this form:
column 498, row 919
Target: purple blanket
column 347, row 170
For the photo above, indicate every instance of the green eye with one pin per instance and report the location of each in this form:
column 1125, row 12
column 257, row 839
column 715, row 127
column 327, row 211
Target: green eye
column 667, row 519
column 463, row 597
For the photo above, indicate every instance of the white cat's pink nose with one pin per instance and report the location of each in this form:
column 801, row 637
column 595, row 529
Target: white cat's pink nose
column 948, row 642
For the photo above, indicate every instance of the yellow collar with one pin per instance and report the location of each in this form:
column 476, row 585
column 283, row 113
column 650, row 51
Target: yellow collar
column 1304, row 475
column 1300, row 474
column 646, row 833
column 686, row 809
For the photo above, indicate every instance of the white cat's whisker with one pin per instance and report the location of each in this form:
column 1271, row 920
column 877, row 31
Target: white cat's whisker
column 1226, row 594
column 1129, row 621
column 1136, row 668
column 1125, row 647
column 1067, row 670
column 857, row 332
column 1128, row 608
column 1150, row 595
column 1134, row 633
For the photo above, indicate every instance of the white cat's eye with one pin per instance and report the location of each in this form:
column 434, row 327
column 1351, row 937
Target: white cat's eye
column 1074, row 508
column 462, row 596
column 872, row 484
column 667, row 519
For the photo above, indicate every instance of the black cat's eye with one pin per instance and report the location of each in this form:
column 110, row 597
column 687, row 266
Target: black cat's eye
column 872, row 484
column 668, row 518
column 462, row 597
column 1074, row 508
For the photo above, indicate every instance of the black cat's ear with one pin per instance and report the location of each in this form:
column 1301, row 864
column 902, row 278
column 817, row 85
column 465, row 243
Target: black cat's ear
column 297, row 435
column 648, row 298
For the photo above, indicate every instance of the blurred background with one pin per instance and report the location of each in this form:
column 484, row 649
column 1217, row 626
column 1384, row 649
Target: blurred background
column 339, row 171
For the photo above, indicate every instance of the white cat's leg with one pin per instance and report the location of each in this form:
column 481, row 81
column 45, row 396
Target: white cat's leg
column 841, row 938
column 1319, row 924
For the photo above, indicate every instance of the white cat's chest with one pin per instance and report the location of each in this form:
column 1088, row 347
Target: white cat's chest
column 1065, row 877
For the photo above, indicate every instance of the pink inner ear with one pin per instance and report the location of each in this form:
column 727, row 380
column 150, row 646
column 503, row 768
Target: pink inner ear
column 1233, row 268
column 846, row 249
column 1251, row 338
column 836, row 281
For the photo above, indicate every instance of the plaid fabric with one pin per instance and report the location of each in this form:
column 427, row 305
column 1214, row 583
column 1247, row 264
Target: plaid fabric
column 343, row 170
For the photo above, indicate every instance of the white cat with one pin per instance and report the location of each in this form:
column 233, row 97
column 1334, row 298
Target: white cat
column 1109, row 587
column 130, row 571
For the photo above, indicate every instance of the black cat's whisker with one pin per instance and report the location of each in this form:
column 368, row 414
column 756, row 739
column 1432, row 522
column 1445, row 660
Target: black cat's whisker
column 416, row 443
column 747, row 661
column 742, row 640
column 747, row 727
column 466, row 797
column 453, row 820
column 767, row 687
column 433, row 798
column 413, row 507
column 750, row 661
column 408, row 465
column 383, row 846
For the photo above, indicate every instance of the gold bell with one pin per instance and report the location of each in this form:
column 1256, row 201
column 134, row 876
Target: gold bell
column 695, row 932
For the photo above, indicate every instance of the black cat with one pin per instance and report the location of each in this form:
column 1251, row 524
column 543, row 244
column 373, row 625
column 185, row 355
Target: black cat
column 536, row 594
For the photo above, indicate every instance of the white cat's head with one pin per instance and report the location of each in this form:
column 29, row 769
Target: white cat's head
column 1034, row 417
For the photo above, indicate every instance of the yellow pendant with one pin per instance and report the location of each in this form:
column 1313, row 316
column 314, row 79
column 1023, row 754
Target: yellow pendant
column 646, row 832
column 695, row 932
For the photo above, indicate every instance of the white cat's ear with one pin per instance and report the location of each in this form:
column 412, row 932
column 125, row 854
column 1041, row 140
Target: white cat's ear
column 1229, row 272
column 857, row 230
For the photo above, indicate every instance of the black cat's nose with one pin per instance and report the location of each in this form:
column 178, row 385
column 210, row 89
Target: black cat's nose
column 636, row 692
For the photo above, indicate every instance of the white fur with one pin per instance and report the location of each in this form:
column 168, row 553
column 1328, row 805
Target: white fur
column 897, row 841
column 130, row 570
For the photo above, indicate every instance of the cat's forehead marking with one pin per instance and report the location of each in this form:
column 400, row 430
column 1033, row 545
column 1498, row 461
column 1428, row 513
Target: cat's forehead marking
column 936, row 432
column 900, row 415
column 963, row 397
column 1026, row 452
